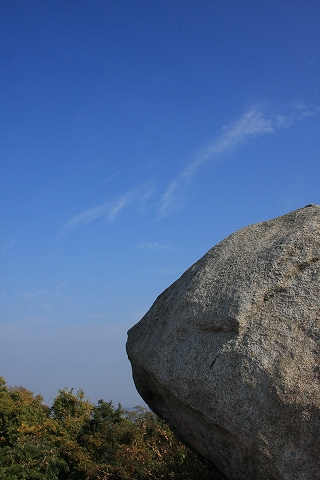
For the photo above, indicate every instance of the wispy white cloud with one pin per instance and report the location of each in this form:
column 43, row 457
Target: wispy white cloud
column 110, row 209
column 299, row 113
column 254, row 122
column 60, row 288
column 143, row 199
column 47, row 299
column 153, row 246
column 6, row 245
column 28, row 295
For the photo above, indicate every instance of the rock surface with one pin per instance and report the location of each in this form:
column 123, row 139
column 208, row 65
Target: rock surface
column 229, row 354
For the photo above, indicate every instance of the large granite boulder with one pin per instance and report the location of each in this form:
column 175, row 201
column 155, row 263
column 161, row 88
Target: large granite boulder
column 229, row 354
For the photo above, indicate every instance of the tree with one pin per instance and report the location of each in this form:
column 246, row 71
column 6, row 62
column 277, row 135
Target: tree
column 76, row 440
column 70, row 412
column 26, row 451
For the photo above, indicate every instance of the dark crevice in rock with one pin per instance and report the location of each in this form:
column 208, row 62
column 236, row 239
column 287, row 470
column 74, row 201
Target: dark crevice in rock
column 302, row 266
column 281, row 288
column 213, row 361
column 223, row 325
column 273, row 292
column 294, row 272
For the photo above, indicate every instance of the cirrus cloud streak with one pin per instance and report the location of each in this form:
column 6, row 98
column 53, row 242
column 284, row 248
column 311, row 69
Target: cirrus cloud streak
column 253, row 123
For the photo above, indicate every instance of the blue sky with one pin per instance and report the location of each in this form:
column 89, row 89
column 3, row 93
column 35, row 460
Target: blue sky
column 135, row 135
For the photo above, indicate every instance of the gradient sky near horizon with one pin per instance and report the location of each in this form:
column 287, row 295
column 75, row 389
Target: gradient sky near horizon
column 135, row 135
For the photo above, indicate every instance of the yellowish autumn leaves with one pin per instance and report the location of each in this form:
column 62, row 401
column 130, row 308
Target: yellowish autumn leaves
column 76, row 440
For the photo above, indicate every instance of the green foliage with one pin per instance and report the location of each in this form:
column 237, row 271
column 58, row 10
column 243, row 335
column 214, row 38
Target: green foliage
column 26, row 449
column 31, row 458
column 76, row 440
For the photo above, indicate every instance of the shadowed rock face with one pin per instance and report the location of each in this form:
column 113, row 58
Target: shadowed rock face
column 229, row 354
